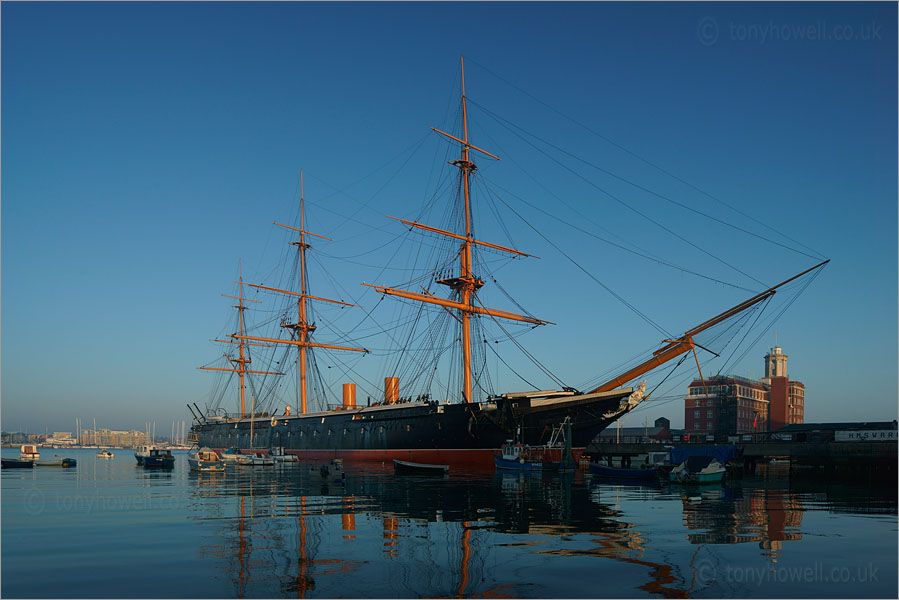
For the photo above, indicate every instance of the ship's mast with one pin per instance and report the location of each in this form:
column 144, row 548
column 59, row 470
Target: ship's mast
column 242, row 359
column 302, row 328
column 466, row 284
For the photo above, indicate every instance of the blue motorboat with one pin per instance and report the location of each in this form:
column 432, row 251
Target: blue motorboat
column 521, row 457
column 159, row 459
column 142, row 453
column 553, row 456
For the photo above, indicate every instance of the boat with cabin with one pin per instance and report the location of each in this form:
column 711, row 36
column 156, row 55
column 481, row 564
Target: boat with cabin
column 105, row 454
column 29, row 452
column 204, row 459
column 142, row 453
column 280, row 457
column 260, row 459
column 159, row 458
column 555, row 455
column 522, row 457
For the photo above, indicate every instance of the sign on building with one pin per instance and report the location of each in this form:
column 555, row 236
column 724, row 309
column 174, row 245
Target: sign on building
column 869, row 435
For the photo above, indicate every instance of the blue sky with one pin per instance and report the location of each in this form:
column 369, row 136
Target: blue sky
column 148, row 146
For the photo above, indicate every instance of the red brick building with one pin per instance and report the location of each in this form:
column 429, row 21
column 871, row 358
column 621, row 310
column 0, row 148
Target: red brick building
column 725, row 405
column 731, row 405
column 787, row 402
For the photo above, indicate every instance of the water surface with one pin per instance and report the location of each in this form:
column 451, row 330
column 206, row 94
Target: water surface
column 111, row 529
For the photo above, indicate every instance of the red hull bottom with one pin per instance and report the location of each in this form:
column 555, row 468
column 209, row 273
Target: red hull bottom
column 482, row 457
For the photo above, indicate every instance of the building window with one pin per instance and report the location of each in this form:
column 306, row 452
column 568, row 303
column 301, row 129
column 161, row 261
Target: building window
column 696, row 414
column 708, row 414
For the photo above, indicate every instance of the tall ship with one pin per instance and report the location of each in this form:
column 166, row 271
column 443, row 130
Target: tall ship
column 464, row 428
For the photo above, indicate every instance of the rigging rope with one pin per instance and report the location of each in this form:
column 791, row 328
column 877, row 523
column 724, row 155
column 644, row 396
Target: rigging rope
column 636, row 311
column 508, row 366
column 619, row 246
column 509, row 126
column 817, row 255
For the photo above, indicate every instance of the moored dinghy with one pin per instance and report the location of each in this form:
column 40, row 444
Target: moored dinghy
column 643, row 473
column 406, row 467
column 65, row 463
column 698, row 469
column 232, row 454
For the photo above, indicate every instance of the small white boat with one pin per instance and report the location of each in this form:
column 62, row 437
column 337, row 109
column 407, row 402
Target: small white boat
column 277, row 453
column 204, row 459
column 232, row 454
column 105, row 454
column 29, row 452
column 404, row 466
column 261, row 459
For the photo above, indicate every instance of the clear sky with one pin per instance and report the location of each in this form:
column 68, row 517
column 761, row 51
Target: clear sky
column 148, row 146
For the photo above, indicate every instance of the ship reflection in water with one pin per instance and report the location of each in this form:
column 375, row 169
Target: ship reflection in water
column 275, row 533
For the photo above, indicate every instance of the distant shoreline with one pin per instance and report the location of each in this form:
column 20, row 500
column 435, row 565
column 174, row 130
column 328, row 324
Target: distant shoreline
column 77, row 447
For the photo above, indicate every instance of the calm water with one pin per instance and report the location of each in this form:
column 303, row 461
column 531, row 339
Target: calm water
column 111, row 529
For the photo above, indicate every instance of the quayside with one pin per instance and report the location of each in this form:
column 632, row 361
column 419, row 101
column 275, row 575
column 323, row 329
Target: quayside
column 465, row 430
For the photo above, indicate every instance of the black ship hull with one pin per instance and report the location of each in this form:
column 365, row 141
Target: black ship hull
column 422, row 431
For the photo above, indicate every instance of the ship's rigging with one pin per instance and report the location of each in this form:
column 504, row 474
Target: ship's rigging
column 439, row 349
